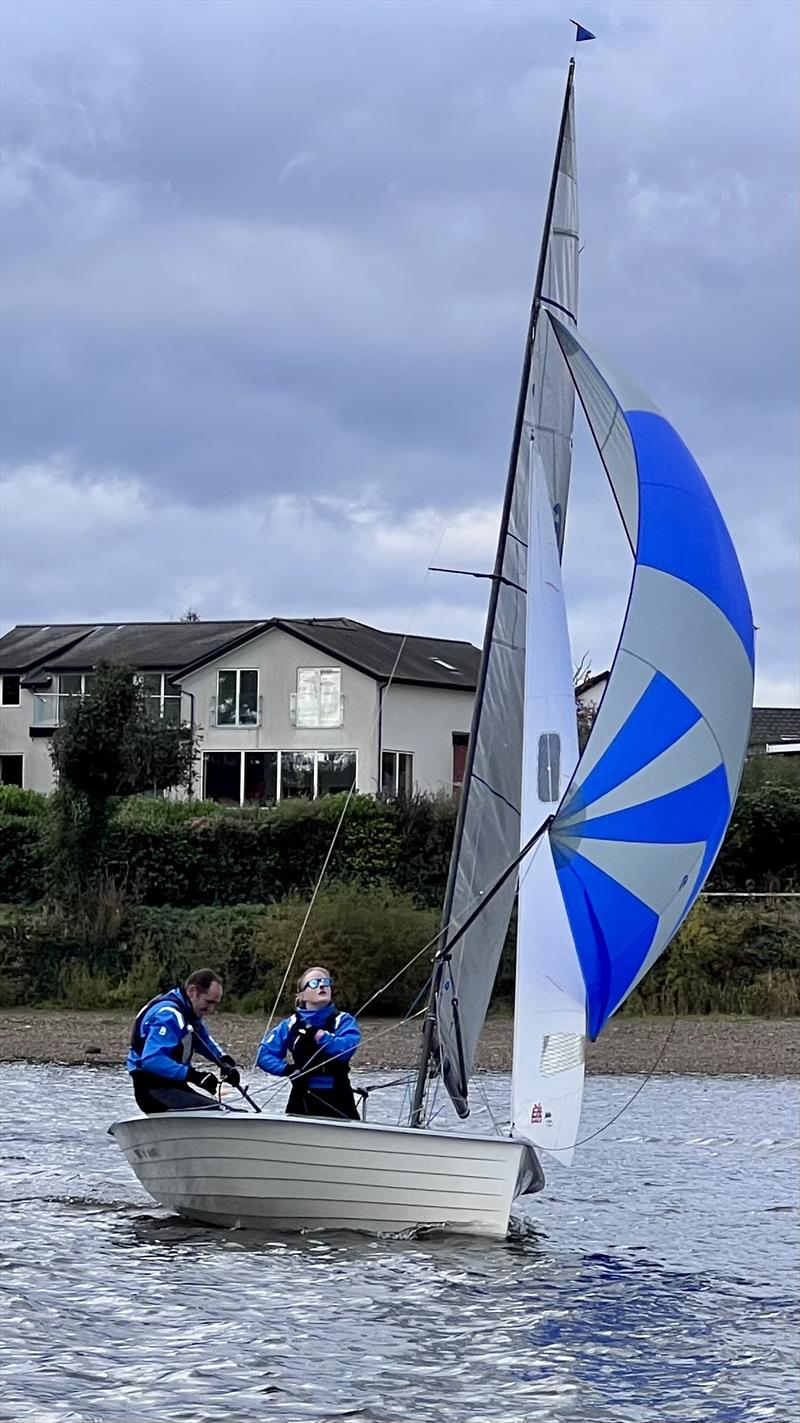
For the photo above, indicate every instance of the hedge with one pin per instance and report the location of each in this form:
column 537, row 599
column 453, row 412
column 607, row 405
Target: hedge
column 364, row 936
column 188, row 854
column 727, row 958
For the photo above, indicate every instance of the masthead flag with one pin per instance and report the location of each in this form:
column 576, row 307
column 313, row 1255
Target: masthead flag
column 582, row 34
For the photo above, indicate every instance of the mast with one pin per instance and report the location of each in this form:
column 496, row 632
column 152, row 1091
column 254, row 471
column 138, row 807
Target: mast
column 497, row 583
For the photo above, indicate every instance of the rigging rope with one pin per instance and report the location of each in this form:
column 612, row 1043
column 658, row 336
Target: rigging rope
column 350, row 794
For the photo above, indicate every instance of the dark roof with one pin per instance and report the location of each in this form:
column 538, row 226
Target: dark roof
column 771, row 725
column 30, row 646
column 159, row 646
column 179, row 648
column 428, row 660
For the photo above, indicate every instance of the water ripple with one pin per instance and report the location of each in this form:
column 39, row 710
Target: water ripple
column 655, row 1280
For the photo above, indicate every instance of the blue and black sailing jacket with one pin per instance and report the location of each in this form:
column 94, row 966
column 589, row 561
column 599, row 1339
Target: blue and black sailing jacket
column 322, row 1063
column 166, row 1033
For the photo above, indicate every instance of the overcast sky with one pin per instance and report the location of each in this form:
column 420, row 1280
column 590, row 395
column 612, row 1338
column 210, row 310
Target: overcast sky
column 266, row 275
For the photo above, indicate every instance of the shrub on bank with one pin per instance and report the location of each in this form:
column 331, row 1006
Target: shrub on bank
column 727, row 958
column 365, row 937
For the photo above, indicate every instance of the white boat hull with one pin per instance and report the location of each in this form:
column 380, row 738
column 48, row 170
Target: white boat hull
column 295, row 1173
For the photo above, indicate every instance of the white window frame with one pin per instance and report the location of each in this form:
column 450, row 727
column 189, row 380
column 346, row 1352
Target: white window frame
column 21, row 755
column 279, row 752
column 70, row 696
column 237, row 724
column 166, row 692
column 17, row 677
column 386, row 751
column 316, row 722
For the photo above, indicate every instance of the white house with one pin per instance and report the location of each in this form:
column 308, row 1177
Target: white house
column 281, row 708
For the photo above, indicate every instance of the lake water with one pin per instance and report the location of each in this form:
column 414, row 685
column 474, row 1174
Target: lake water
column 656, row 1280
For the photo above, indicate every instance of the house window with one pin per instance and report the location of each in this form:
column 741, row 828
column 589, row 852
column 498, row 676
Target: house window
column 549, row 766
column 163, row 701
column 9, row 688
column 460, row 744
column 336, row 771
column 237, row 697
column 297, row 774
column 262, row 777
column 72, row 688
column 397, row 773
column 10, row 770
column 222, row 776
column 318, row 699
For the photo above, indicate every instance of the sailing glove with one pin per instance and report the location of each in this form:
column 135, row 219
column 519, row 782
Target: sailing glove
column 229, row 1070
column 207, row 1080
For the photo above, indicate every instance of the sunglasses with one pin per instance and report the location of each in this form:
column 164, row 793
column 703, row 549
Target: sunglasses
column 317, row 983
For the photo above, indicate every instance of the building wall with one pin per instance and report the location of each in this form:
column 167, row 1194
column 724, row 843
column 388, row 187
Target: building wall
column 422, row 720
column 37, row 770
column 419, row 720
column 277, row 656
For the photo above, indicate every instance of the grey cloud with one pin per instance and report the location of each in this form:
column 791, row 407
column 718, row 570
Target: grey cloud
column 290, row 246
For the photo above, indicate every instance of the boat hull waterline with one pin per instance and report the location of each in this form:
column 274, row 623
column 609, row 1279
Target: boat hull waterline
column 295, row 1173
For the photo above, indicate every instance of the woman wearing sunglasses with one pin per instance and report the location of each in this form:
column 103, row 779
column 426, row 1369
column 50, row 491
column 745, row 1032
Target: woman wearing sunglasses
column 314, row 1047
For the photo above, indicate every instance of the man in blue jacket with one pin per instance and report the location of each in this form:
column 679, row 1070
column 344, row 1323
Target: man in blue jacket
column 166, row 1032
column 314, row 1047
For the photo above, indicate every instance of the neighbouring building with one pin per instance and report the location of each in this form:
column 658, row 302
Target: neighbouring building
column 284, row 707
column 774, row 730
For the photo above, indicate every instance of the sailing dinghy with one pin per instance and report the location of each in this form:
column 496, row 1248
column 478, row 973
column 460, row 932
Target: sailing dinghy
column 605, row 852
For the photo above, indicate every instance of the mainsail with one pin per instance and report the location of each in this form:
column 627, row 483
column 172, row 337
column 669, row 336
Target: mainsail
column 489, row 824
column 641, row 823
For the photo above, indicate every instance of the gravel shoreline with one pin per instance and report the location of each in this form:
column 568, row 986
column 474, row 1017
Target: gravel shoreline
column 709, row 1046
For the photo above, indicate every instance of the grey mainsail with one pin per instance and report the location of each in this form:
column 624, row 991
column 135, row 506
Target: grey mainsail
column 487, row 837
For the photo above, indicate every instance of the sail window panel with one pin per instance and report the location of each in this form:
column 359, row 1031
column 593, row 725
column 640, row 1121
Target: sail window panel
column 561, row 1052
column 336, row 771
column 318, row 700
column 549, row 766
column 237, row 697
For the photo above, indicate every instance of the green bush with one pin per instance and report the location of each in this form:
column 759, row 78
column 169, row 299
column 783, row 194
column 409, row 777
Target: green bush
column 16, row 801
column 196, row 853
column 740, row 956
column 22, row 857
column 364, row 936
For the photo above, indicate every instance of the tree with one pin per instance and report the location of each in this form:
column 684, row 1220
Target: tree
column 107, row 747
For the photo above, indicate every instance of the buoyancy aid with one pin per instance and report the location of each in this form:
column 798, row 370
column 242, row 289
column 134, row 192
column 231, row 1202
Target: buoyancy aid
column 323, row 1088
